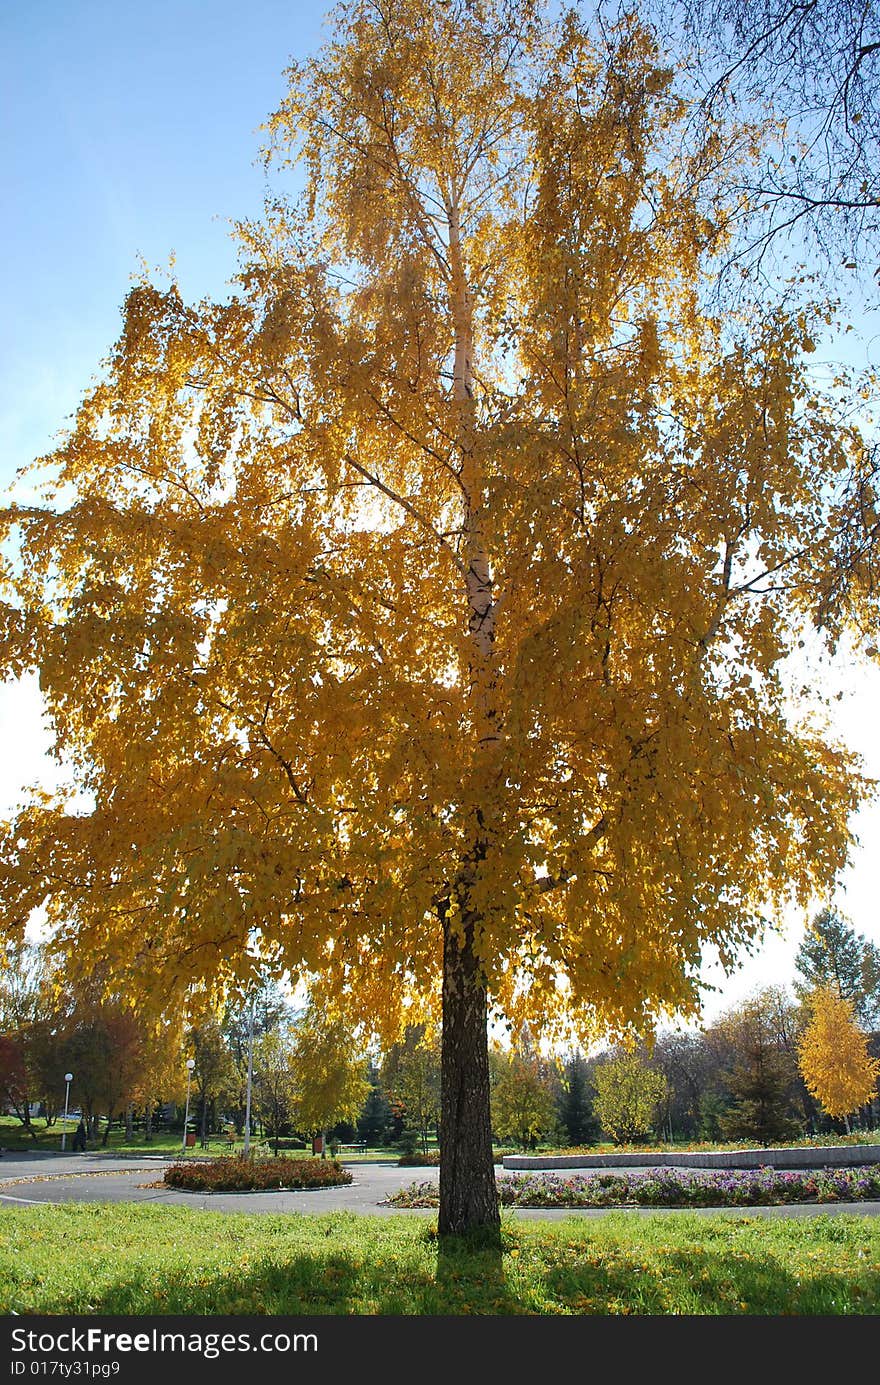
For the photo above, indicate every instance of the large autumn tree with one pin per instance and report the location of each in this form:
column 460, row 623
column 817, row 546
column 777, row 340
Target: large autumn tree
column 419, row 611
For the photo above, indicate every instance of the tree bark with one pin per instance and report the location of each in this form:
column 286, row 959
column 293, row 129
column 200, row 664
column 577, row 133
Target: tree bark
column 468, row 1195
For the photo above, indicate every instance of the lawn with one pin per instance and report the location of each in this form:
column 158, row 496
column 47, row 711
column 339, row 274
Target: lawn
column 123, row 1259
column 14, row 1137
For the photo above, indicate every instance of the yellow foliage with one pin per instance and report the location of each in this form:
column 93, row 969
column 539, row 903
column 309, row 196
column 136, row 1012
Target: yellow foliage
column 432, row 582
column 833, row 1055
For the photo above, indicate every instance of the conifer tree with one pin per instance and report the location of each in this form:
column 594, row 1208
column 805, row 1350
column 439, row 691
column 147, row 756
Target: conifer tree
column 832, row 954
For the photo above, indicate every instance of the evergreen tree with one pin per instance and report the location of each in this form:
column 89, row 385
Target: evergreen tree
column 833, row 954
column 575, row 1104
column 374, row 1121
column 763, row 1079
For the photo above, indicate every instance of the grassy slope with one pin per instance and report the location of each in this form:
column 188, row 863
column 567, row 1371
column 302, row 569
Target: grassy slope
column 102, row 1258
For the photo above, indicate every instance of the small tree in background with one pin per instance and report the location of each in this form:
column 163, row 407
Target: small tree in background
column 330, row 1075
column 522, row 1096
column 31, row 1068
column 259, row 1010
column 763, row 1077
column 15, row 1086
column 834, row 1058
column 686, row 1062
column 575, row 1107
column 374, row 1121
column 628, row 1096
column 411, row 1077
column 275, row 1079
column 213, row 1075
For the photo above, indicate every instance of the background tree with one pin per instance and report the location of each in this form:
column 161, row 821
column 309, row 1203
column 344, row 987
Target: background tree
column 261, row 1011
column 832, row 954
column 523, row 1097
column 445, row 571
column 374, row 1120
column 574, row 1104
column 411, row 1079
column 834, row 1056
column 762, row 1073
column 329, row 1072
column 692, row 1081
column 16, row 1090
column 29, row 1024
column 213, row 1075
column 275, row 1080
column 629, row 1095
column 161, row 1077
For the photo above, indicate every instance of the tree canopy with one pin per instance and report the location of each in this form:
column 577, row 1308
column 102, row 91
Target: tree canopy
column 419, row 611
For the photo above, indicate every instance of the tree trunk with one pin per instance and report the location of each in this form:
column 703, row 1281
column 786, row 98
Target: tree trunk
column 148, row 1123
column 468, row 1195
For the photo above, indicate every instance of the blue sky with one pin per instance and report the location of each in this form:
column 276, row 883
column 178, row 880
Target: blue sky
column 130, row 131
column 125, row 131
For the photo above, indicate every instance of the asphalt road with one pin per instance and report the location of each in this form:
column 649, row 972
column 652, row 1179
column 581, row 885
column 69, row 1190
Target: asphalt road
column 29, row 1179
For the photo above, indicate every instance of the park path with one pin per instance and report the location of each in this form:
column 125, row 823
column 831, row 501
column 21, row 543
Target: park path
column 30, row 1179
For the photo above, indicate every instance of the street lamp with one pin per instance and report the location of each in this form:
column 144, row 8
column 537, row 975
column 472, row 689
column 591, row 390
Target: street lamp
column 190, row 1064
column 250, row 1081
column 68, row 1078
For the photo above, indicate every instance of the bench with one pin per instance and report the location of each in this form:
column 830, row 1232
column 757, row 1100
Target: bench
column 359, row 1146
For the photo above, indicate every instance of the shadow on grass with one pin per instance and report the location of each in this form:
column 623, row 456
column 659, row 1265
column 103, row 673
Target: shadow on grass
column 297, row 1285
column 703, row 1281
column 429, row 1277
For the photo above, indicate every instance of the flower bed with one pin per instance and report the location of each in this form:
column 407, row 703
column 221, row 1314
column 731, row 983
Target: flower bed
column 248, row 1175
column 673, row 1188
column 419, row 1161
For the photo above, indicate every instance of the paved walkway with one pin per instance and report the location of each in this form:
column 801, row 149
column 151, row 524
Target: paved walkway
column 29, row 1179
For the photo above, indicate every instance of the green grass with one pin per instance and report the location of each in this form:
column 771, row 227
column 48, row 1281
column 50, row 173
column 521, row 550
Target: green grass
column 124, row 1259
column 14, row 1137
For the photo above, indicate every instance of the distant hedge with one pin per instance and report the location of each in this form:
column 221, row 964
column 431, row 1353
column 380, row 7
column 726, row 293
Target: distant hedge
column 237, row 1174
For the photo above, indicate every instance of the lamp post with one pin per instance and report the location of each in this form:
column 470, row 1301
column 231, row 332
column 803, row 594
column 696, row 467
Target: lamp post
column 190, row 1064
column 250, row 1080
column 68, row 1078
